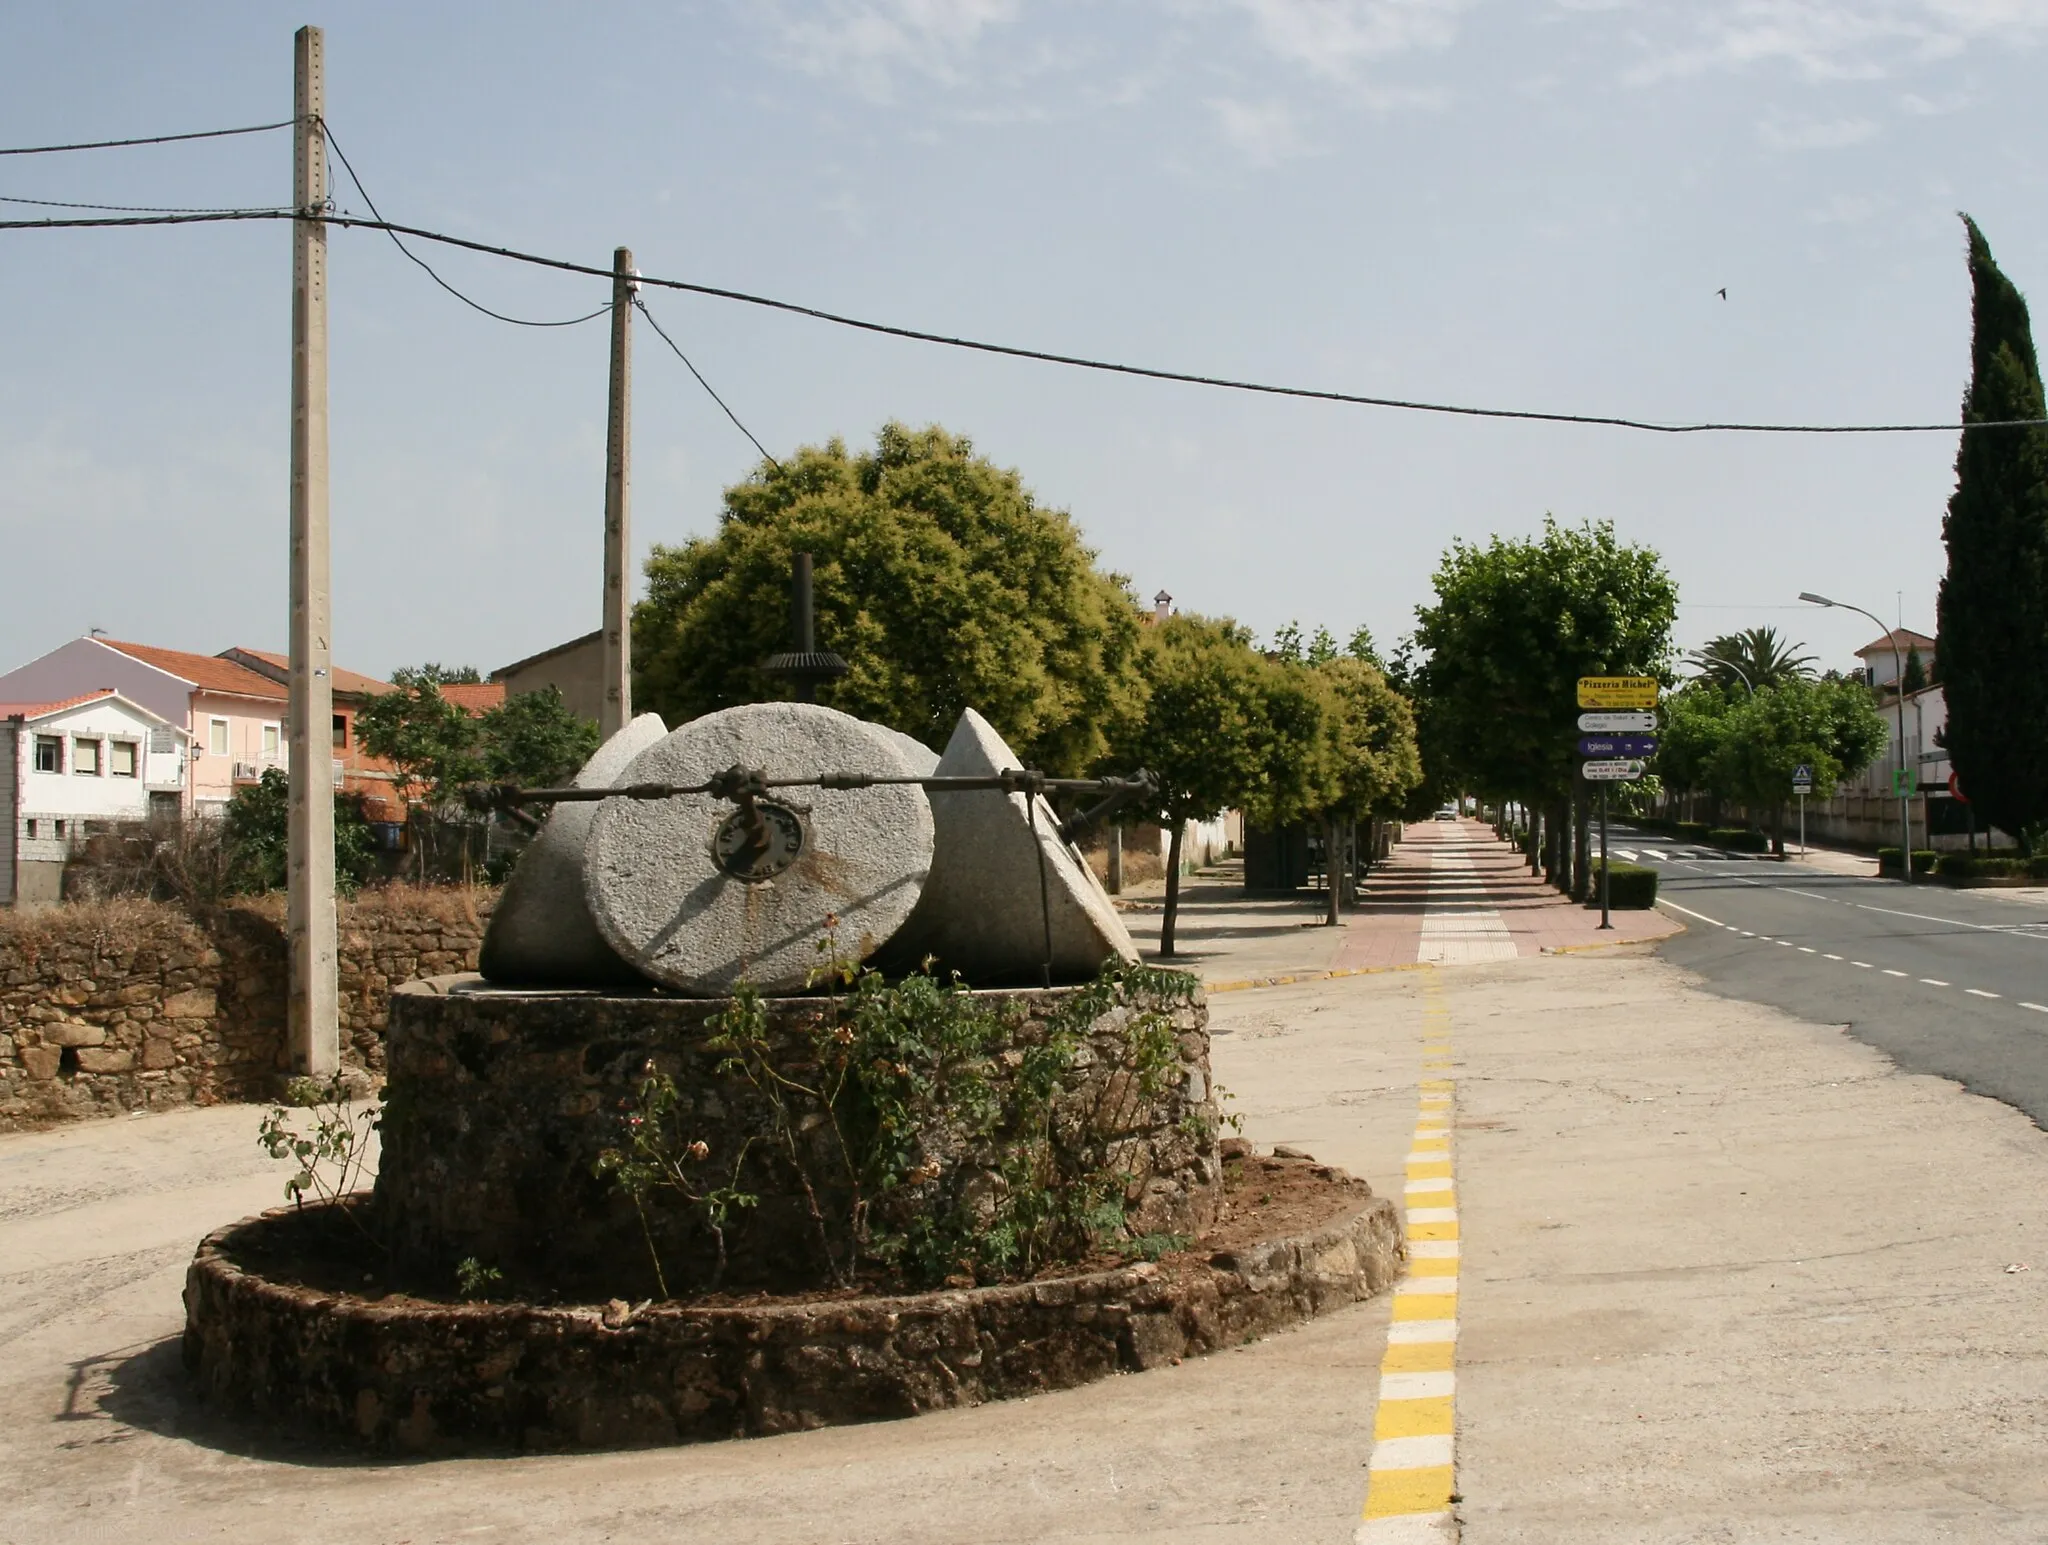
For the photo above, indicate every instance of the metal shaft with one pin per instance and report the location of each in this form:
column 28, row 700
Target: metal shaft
column 312, row 1019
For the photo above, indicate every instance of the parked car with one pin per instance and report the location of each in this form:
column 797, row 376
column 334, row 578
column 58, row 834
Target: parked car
column 1448, row 813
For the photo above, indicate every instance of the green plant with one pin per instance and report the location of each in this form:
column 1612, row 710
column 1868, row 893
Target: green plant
column 1693, row 831
column 1923, row 860
column 659, row 1154
column 1630, row 887
column 326, row 1132
column 1149, row 1247
column 254, row 837
column 926, row 1133
column 1737, row 839
column 475, row 1280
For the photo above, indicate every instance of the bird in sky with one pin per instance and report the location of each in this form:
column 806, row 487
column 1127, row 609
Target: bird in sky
column 1723, row 292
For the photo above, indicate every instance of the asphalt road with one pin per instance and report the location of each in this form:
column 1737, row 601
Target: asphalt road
column 1948, row 982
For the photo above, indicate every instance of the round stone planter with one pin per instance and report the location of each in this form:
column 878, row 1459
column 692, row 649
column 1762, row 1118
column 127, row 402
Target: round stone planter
column 403, row 1374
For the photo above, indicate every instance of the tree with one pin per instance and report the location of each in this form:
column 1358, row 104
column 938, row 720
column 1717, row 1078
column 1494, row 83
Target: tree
column 1993, row 604
column 1915, row 679
column 432, row 743
column 1376, row 761
column 256, row 827
column 1514, row 625
column 532, row 739
column 438, row 748
column 938, row 576
column 1753, row 659
column 1831, row 727
column 1203, row 734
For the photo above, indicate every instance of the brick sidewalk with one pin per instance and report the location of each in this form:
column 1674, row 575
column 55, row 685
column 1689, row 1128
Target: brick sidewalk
column 1388, row 928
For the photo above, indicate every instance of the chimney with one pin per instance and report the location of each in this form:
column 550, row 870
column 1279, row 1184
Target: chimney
column 1162, row 606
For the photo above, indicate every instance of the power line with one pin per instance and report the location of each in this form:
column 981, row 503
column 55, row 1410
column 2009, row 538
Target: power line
column 154, row 139
column 1079, row 362
column 415, row 257
column 742, row 428
column 140, row 209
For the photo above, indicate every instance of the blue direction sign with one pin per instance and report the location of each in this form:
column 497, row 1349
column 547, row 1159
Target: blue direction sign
column 1617, row 745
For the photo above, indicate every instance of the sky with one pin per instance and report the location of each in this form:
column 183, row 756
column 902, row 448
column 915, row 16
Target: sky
column 1530, row 205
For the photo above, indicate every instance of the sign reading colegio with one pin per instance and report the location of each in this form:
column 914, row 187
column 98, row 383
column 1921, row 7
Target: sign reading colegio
column 1617, row 692
column 1618, row 723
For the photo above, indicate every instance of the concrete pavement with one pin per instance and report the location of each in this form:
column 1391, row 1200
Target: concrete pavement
column 1726, row 1275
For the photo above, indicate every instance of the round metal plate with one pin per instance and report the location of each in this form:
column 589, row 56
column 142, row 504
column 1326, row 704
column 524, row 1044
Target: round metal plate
column 745, row 855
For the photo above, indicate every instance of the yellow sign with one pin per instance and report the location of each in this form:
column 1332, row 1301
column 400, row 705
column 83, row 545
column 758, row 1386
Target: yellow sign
column 1617, row 692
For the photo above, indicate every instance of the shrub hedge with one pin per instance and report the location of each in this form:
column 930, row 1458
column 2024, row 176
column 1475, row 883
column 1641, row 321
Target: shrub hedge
column 1985, row 866
column 1693, row 831
column 1630, row 887
column 1735, row 839
column 1923, row 861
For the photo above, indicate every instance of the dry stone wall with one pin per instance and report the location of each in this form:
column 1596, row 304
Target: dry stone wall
column 135, row 1005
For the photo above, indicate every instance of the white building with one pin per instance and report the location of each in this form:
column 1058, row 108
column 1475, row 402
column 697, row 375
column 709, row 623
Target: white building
column 75, row 768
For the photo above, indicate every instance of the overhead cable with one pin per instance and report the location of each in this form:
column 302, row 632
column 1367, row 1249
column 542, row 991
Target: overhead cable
column 1075, row 361
column 642, row 307
column 142, row 209
column 154, row 139
column 390, row 231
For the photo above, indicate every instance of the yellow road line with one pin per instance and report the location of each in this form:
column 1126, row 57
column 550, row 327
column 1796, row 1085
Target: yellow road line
column 1412, row 1476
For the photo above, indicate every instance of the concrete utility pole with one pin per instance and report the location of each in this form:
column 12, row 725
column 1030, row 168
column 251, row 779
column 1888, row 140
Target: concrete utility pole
column 313, row 1018
column 617, row 708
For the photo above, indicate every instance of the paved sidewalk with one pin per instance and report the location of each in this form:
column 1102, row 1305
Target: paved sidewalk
column 1451, row 893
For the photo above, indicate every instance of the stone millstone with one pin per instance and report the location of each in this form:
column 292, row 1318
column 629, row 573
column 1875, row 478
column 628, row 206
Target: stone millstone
column 981, row 915
column 663, row 902
column 541, row 934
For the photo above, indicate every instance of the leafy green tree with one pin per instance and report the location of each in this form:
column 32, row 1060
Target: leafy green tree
column 1753, row 659
column 1204, row 732
column 1360, row 647
column 532, row 739
column 1834, row 728
column 1514, row 625
column 1993, row 605
column 938, row 576
column 1696, row 724
column 256, row 832
column 434, row 745
column 1377, row 760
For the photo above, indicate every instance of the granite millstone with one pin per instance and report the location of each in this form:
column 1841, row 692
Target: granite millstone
column 663, row 902
column 981, row 914
column 542, row 934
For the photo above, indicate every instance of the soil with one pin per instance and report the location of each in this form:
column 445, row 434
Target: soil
column 1264, row 1197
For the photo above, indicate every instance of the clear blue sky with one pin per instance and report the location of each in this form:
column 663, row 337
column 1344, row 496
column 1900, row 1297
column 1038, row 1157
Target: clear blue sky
column 1521, row 204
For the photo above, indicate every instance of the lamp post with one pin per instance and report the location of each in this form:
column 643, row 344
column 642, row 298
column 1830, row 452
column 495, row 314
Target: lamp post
column 1899, row 692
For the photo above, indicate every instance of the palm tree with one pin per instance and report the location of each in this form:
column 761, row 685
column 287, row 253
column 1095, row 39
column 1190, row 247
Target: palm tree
column 1755, row 657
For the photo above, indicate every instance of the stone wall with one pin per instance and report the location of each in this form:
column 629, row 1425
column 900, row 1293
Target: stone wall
column 137, row 1005
column 500, row 1102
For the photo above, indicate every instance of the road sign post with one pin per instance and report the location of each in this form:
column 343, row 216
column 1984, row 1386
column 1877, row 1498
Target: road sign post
column 1604, row 923
column 1802, row 785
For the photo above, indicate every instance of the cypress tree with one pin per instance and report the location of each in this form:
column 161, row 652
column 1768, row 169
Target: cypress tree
column 1993, row 606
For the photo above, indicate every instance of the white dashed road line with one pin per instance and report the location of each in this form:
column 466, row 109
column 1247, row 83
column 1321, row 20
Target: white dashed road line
column 1978, row 992
column 1933, row 981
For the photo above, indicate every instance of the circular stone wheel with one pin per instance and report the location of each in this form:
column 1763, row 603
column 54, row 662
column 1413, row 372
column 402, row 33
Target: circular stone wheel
column 666, row 879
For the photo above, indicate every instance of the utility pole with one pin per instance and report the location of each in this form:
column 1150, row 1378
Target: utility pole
column 313, row 1017
column 617, row 708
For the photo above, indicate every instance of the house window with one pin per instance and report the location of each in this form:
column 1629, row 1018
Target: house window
column 341, row 732
column 31, row 828
column 59, row 824
column 85, row 757
column 270, row 733
column 217, row 737
column 49, row 753
column 121, row 758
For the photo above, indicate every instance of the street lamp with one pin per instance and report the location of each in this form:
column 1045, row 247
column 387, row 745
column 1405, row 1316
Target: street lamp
column 1899, row 692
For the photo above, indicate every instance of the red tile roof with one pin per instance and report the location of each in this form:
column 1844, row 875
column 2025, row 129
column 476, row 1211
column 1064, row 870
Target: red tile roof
column 344, row 680
column 475, row 697
column 1907, row 638
column 37, row 710
column 208, row 672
